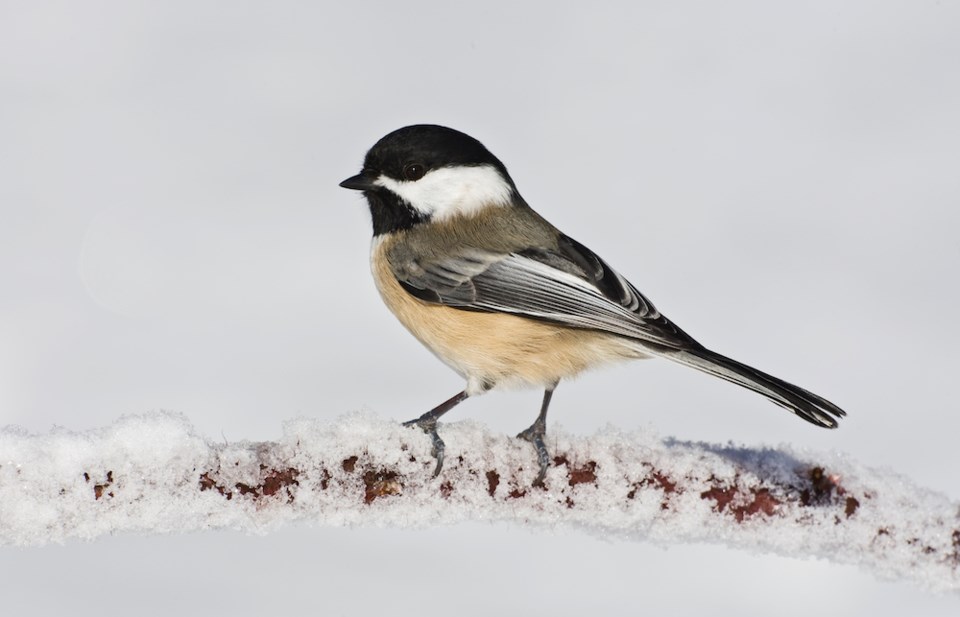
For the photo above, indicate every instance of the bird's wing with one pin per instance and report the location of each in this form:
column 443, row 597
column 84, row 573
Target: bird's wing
column 572, row 286
column 569, row 285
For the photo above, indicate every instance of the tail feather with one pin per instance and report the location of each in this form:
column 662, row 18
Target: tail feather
column 812, row 408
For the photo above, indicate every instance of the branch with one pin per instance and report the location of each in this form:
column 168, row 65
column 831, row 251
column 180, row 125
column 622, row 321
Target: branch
column 154, row 474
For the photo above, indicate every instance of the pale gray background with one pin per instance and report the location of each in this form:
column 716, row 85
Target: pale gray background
column 780, row 178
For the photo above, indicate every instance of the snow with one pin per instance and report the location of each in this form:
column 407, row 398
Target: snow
column 154, row 474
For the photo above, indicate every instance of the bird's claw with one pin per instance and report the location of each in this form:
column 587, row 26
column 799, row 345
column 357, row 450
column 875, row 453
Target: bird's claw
column 534, row 435
column 430, row 428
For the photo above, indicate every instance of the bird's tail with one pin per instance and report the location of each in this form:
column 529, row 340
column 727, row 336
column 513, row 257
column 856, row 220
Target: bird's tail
column 806, row 404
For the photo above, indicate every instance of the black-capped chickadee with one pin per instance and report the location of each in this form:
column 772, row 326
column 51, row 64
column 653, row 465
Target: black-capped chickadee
column 502, row 296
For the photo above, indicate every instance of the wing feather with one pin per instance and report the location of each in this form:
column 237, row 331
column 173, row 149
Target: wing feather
column 570, row 286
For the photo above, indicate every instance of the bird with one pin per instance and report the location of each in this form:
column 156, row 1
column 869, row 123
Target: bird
column 502, row 296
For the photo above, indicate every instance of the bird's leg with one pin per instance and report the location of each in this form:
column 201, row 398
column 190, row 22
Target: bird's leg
column 535, row 434
column 428, row 424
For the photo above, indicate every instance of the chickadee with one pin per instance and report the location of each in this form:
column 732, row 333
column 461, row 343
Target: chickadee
column 502, row 296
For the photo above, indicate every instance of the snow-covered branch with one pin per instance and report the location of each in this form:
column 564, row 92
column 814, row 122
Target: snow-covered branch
column 154, row 474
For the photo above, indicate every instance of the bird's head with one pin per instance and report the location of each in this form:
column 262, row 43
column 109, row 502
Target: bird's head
column 425, row 173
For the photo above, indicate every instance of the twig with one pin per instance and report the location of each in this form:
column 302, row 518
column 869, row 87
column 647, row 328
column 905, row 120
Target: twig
column 154, row 474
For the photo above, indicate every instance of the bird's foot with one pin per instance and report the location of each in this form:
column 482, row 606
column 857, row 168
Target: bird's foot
column 429, row 426
column 535, row 435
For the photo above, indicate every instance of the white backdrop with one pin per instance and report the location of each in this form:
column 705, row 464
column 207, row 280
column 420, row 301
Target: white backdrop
column 779, row 178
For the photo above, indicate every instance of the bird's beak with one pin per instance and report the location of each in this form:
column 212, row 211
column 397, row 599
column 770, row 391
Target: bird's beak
column 359, row 182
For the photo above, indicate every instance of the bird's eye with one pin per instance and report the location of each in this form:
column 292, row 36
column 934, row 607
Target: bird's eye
column 414, row 171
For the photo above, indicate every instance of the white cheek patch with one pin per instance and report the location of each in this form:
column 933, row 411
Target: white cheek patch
column 450, row 191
